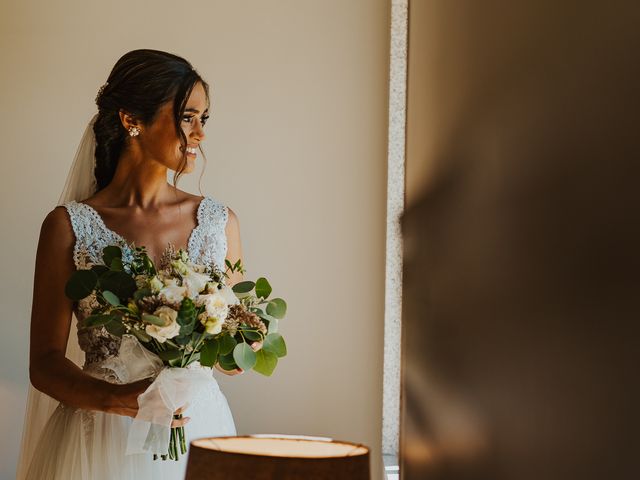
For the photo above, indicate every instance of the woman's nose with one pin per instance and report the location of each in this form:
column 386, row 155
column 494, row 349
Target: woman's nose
column 198, row 131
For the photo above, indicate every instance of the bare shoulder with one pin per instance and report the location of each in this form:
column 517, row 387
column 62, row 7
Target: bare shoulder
column 233, row 223
column 56, row 232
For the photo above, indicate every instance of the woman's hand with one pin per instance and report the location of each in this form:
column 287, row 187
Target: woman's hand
column 125, row 401
column 236, row 371
column 182, row 421
column 255, row 346
column 124, row 398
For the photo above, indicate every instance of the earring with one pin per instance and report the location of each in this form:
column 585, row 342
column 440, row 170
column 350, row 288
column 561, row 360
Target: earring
column 134, row 131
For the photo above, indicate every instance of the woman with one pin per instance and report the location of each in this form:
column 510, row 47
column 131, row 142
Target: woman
column 151, row 114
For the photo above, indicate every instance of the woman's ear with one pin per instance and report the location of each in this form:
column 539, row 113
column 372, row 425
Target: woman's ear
column 128, row 120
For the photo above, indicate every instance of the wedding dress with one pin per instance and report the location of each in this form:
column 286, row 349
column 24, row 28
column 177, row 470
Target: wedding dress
column 79, row 444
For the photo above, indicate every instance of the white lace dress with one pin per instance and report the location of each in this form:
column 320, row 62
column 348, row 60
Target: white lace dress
column 81, row 444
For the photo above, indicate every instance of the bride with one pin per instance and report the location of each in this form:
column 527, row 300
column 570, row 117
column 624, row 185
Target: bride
column 151, row 115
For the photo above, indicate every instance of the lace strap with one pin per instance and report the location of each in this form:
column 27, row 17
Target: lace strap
column 90, row 235
column 208, row 244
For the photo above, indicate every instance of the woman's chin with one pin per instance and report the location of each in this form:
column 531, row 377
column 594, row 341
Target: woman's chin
column 188, row 167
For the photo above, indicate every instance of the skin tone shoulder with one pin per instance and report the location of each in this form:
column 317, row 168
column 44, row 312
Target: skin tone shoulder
column 139, row 205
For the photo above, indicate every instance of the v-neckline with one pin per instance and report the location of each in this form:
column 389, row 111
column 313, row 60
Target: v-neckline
column 119, row 238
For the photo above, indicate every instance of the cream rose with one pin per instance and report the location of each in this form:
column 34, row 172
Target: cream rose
column 170, row 328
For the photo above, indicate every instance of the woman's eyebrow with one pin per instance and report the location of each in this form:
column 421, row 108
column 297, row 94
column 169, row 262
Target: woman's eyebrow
column 195, row 110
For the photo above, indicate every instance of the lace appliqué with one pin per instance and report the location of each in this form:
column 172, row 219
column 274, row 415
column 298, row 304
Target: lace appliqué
column 208, row 242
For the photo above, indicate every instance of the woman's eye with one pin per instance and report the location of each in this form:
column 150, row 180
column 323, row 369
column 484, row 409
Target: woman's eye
column 189, row 119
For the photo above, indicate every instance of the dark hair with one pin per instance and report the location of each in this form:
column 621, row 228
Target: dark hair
column 140, row 82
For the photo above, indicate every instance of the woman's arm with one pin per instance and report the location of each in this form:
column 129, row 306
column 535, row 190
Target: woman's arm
column 234, row 246
column 234, row 252
column 49, row 370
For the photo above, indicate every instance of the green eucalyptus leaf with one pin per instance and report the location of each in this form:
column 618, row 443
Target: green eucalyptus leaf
column 273, row 326
column 243, row 287
column 265, row 362
column 120, row 283
column 251, row 334
column 99, row 319
column 275, row 343
column 115, row 327
column 227, row 344
column 195, row 337
column 277, row 307
column 109, row 253
column 153, row 319
column 141, row 335
column 111, row 297
column 148, row 265
column 266, row 316
column 186, row 329
column 99, row 269
column 227, row 362
column 176, row 362
column 143, row 292
column 244, row 356
column 81, row 284
column 171, row 354
column 116, row 265
column 263, row 288
column 209, row 352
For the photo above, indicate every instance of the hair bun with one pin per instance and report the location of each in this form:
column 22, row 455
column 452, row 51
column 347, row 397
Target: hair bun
column 100, row 92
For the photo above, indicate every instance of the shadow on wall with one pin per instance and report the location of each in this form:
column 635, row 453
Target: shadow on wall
column 522, row 272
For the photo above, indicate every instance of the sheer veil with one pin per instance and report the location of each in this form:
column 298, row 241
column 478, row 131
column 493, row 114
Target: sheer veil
column 80, row 184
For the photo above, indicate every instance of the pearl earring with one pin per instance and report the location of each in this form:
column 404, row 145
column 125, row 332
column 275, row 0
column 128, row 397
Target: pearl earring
column 134, row 131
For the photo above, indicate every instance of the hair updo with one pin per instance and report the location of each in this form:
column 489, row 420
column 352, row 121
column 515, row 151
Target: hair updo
column 140, row 82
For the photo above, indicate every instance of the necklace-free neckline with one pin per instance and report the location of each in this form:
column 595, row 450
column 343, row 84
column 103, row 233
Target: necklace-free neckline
column 131, row 245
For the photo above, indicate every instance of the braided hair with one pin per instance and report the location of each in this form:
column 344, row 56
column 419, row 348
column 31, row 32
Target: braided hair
column 140, row 82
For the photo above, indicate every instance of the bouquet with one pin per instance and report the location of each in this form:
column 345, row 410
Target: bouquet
column 183, row 312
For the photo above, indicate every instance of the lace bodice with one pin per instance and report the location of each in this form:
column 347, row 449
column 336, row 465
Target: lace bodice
column 207, row 245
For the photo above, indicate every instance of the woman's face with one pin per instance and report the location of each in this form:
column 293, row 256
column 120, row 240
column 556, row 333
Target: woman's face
column 159, row 140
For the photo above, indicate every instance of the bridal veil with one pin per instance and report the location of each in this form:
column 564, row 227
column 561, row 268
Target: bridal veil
column 80, row 184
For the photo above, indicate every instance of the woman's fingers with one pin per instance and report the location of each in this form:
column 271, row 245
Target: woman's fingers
column 180, row 422
column 229, row 372
column 255, row 346
column 181, row 409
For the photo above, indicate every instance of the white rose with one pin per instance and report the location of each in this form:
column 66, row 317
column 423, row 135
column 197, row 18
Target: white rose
column 195, row 282
column 212, row 325
column 172, row 292
column 230, row 297
column 215, row 304
column 170, row 328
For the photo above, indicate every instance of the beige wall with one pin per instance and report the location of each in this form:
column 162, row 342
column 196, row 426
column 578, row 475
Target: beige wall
column 296, row 146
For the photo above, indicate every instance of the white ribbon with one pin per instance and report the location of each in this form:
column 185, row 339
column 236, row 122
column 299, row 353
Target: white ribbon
column 172, row 388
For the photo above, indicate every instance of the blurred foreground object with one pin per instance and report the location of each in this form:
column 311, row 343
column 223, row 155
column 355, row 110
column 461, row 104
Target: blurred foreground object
column 265, row 457
column 521, row 322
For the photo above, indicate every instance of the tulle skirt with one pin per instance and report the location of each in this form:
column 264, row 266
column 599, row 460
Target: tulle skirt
column 80, row 444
